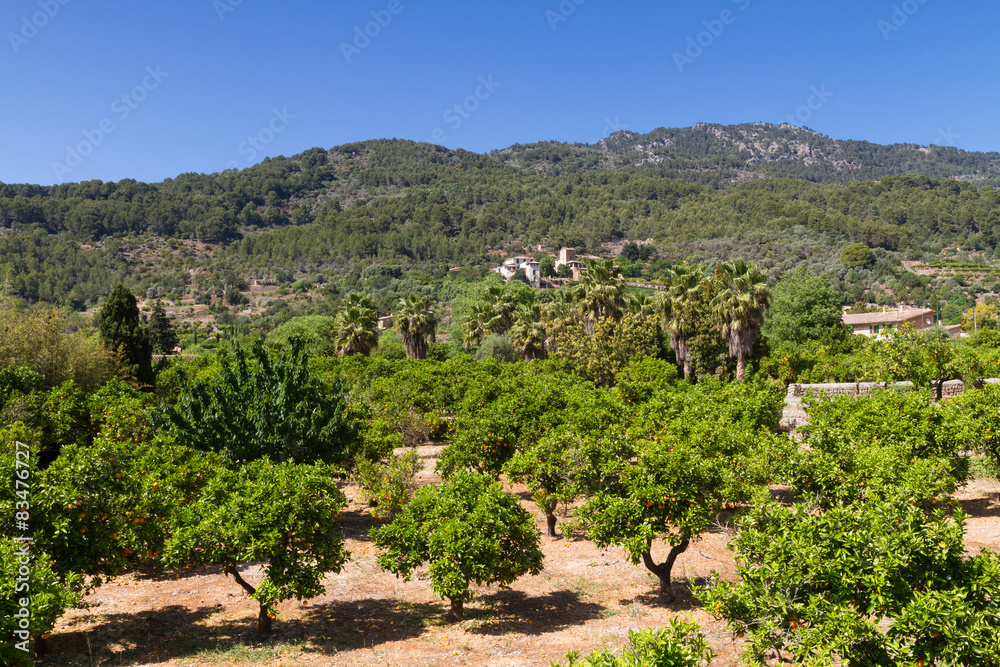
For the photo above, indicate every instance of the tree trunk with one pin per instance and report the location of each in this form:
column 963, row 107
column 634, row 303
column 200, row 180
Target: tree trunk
column 41, row 646
column 938, row 390
column 682, row 352
column 741, row 367
column 263, row 620
column 663, row 569
column 550, row 519
column 457, row 610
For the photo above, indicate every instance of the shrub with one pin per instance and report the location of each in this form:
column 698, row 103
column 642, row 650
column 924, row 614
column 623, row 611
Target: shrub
column 39, row 340
column 680, row 644
column 497, row 346
column 387, row 486
column 390, row 346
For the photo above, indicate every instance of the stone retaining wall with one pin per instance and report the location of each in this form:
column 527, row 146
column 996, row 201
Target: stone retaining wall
column 951, row 389
column 794, row 414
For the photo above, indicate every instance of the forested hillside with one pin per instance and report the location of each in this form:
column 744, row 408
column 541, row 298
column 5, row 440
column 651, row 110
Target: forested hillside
column 778, row 195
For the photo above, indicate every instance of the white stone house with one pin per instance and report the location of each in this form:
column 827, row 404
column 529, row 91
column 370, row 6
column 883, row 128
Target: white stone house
column 532, row 269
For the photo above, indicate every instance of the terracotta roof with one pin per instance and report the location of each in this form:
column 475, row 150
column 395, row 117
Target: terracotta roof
column 889, row 317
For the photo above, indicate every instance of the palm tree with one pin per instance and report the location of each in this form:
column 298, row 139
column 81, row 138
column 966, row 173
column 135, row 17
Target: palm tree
column 557, row 316
column 685, row 283
column 494, row 314
column 415, row 323
column 641, row 304
column 600, row 292
column 528, row 332
column 361, row 300
column 502, row 305
column 739, row 306
column 475, row 324
column 355, row 330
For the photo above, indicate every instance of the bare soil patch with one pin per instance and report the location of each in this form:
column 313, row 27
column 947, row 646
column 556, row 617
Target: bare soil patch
column 585, row 598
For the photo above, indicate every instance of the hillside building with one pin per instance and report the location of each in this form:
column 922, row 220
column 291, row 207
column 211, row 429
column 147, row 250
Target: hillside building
column 567, row 257
column 877, row 324
column 532, row 269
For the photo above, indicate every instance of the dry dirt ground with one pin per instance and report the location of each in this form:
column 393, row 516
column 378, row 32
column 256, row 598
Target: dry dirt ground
column 585, row 598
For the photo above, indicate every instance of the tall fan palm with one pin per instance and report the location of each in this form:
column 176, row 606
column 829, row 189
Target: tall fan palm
column 739, row 306
column 502, row 305
column 361, row 300
column 355, row 330
column 415, row 323
column 641, row 304
column 684, row 297
column 528, row 332
column 557, row 316
column 600, row 292
column 475, row 325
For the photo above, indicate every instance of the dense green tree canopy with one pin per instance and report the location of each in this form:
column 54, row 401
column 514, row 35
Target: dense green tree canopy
column 259, row 404
column 803, row 307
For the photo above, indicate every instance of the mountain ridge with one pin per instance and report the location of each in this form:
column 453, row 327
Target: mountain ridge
column 760, row 150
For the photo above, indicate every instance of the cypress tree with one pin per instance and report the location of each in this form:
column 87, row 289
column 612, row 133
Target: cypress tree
column 121, row 330
column 161, row 331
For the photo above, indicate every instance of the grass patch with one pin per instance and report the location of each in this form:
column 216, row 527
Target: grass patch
column 981, row 467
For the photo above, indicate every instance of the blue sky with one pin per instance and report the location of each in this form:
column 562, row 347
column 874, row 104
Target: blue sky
column 153, row 89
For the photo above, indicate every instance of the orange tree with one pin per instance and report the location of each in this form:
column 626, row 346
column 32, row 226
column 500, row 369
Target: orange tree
column 859, row 446
column 282, row 515
column 879, row 582
column 469, row 530
column 694, row 454
column 555, row 468
column 32, row 598
column 101, row 508
column 513, row 411
column 974, row 420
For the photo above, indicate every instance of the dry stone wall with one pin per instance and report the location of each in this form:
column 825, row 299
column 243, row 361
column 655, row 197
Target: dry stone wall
column 794, row 414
